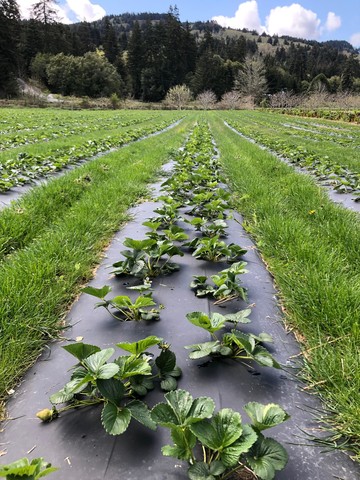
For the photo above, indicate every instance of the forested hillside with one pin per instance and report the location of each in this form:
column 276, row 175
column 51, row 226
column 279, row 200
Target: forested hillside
column 142, row 56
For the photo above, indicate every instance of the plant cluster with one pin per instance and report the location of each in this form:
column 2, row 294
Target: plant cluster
column 117, row 384
column 234, row 344
column 219, row 445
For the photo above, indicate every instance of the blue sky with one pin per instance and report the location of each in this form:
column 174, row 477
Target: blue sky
column 312, row 19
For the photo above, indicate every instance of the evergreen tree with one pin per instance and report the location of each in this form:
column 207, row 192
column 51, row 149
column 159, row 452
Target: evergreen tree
column 44, row 12
column 135, row 60
column 9, row 27
column 210, row 74
column 110, row 43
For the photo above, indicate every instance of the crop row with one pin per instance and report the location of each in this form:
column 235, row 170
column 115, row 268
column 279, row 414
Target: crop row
column 27, row 120
column 310, row 246
column 227, row 446
column 50, row 132
column 325, row 168
column 27, row 166
column 328, row 114
column 316, row 132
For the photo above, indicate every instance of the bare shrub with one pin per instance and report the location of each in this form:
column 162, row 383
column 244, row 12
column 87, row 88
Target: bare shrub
column 206, row 99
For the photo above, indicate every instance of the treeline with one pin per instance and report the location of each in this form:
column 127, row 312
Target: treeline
column 143, row 56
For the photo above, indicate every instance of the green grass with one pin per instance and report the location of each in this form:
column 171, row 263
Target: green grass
column 312, row 248
column 43, row 274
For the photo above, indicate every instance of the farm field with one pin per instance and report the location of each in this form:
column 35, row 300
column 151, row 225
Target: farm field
column 52, row 238
column 331, row 152
column 24, row 157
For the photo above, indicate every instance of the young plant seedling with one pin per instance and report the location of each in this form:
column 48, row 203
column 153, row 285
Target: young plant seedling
column 214, row 250
column 23, row 469
column 117, row 384
column 218, row 445
column 172, row 234
column 124, row 308
column 236, row 344
column 209, row 229
column 146, row 259
column 226, row 285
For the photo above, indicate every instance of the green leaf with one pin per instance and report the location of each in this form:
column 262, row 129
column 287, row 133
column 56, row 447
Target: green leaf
column 221, row 431
column 97, row 292
column 265, row 416
column 139, row 244
column 141, row 385
column 201, row 408
column 121, row 301
column 201, row 350
column 210, row 324
column 166, row 361
column 111, row 389
column 142, row 302
column 81, row 350
column 239, row 317
column 76, row 385
column 98, row 359
column 162, row 414
column 230, row 455
column 184, row 442
column 115, row 421
column 168, row 384
column 141, row 413
column 141, row 346
column 107, row 371
column 203, row 471
column 130, row 365
column 267, row 456
column 24, row 470
column 264, row 358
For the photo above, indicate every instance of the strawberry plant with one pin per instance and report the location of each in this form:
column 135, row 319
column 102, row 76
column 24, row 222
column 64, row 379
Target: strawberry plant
column 115, row 385
column 214, row 250
column 23, row 469
column 218, row 445
column 146, row 259
column 226, row 285
column 209, row 229
column 236, row 344
column 125, row 309
column 172, row 234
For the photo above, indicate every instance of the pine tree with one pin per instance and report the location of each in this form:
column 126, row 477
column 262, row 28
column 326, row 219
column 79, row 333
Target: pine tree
column 135, row 60
column 110, row 43
column 9, row 26
column 45, row 13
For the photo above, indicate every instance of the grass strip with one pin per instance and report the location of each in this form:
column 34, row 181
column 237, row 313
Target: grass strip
column 312, row 248
column 39, row 282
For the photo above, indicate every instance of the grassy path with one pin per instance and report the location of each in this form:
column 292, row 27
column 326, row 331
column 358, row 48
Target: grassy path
column 43, row 274
column 312, row 248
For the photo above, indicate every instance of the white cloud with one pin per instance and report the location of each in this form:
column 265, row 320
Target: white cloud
column 293, row 20
column 355, row 40
column 333, row 22
column 81, row 9
column 85, row 10
column 246, row 16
